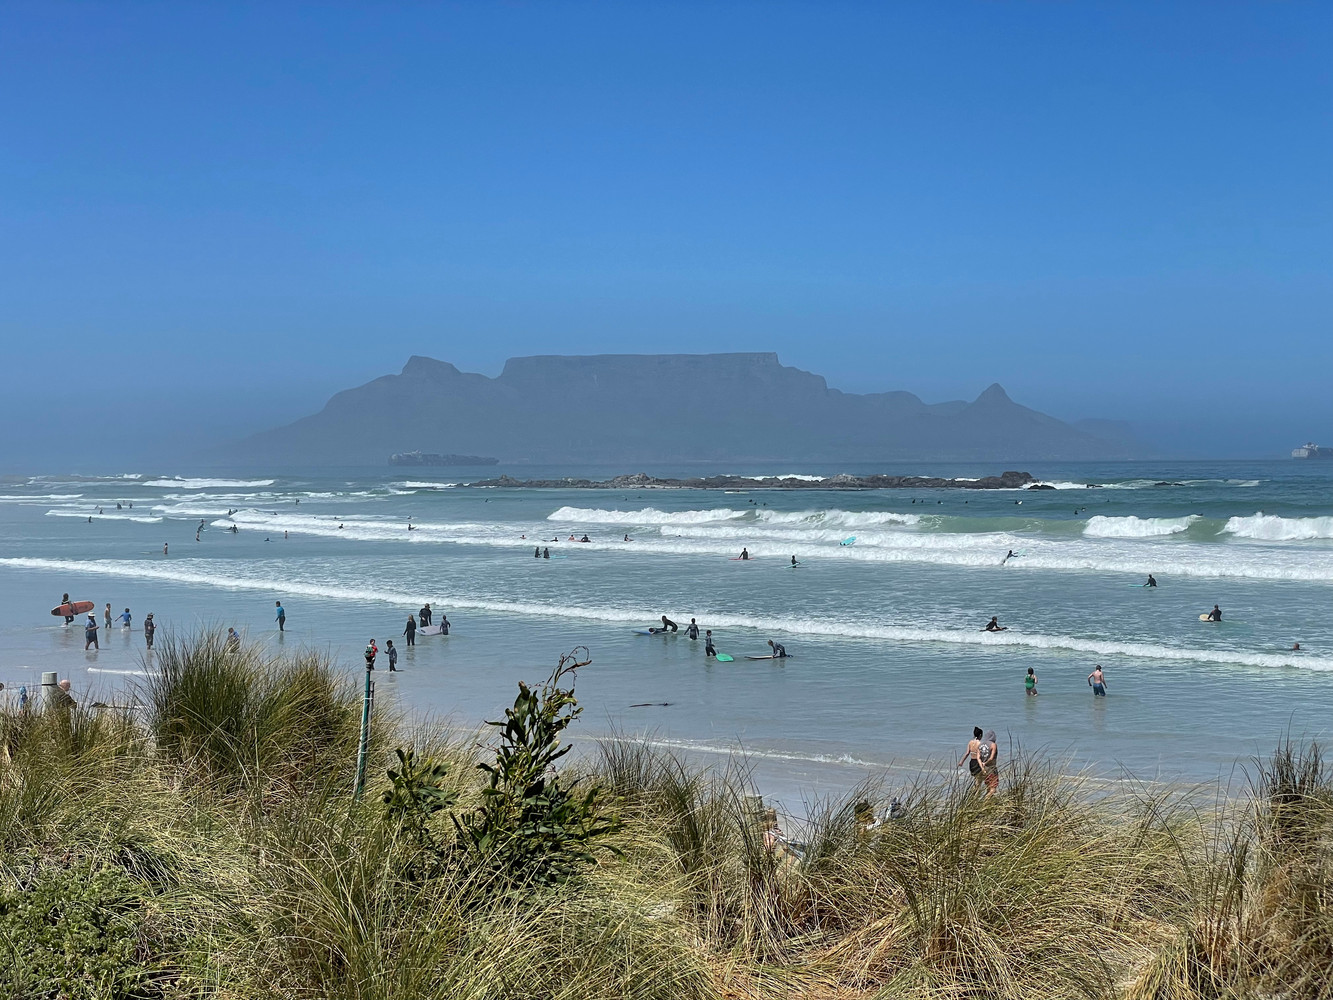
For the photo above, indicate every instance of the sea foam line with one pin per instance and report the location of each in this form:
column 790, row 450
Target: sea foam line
column 1012, row 639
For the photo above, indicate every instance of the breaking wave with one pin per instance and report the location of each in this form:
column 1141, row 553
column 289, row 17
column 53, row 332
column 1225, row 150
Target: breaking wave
column 1271, row 528
column 203, row 484
column 1137, row 527
column 647, row 516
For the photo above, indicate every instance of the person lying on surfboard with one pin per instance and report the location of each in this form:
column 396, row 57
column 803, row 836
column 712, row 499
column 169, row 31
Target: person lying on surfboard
column 667, row 625
column 994, row 625
column 779, row 650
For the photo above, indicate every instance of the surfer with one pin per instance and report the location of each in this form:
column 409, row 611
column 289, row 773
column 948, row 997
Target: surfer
column 411, row 631
column 424, row 615
column 392, row 654
column 693, row 631
column 546, row 553
column 125, row 619
column 1152, row 581
column 118, row 506
column 794, row 562
column 745, row 553
column 444, row 624
column 90, row 632
column 164, row 548
column 69, row 619
column 667, row 625
column 708, row 643
column 1030, row 683
column 149, row 627
column 1215, row 615
column 537, row 552
column 233, row 529
column 90, row 519
column 994, row 625
column 585, row 538
column 779, row 650
column 1097, row 681
column 1007, row 558
column 281, row 619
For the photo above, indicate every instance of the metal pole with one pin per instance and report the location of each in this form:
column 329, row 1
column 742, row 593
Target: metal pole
column 365, row 735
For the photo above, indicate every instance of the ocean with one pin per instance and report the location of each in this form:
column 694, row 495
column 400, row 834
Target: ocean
column 889, row 666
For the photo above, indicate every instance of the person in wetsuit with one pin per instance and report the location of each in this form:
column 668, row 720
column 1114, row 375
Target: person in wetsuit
column 745, row 553
column 693, row 630
column 1152, row 581
column 994, row 625
column 546, row 553
column 779, row 650
column 667, row 625
column 708, row 643
column 1215, row 615
column 423, row 616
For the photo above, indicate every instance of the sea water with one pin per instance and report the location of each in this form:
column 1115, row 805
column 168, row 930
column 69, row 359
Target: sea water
column 889, row 667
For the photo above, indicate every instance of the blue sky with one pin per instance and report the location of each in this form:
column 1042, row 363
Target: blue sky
column 212, row 216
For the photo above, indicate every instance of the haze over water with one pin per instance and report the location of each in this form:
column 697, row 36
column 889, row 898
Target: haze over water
column 889, row 664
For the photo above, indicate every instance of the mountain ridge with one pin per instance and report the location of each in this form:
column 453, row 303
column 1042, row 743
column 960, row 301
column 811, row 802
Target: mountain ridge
column 666, row 407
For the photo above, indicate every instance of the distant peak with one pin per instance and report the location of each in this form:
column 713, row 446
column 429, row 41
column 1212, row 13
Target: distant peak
column 994, row 394
column 419, row 365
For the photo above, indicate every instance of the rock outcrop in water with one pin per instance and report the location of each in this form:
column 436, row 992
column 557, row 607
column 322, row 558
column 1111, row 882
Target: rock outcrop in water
column 643, row 481
column 663, row 408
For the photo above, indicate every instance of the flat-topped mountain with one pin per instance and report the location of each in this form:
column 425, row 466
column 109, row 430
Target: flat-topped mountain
column 612, row 408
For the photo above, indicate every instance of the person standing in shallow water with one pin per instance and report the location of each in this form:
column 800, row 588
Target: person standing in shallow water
column 392, row 654
column 972, row 758
column 1030, row 683
column 282, row 617
column 411, row 631
column 1097, row 681
column 90, row 633
column 149, row 627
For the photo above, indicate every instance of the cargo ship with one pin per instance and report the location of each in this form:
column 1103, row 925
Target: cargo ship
column 1311, row 450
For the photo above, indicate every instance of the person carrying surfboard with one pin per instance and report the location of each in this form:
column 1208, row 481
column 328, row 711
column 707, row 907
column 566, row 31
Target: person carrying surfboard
column 779, row 650
column 69, row 619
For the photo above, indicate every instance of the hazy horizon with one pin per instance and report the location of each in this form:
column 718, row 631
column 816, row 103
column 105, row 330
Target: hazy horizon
column 217, row 217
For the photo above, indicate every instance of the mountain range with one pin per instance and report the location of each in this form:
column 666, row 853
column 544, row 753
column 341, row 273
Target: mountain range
column 633, row 408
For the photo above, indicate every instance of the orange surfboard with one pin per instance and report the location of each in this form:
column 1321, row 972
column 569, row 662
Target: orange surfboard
column 73, row 608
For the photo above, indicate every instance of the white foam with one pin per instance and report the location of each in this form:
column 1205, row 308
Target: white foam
column 1137, row 527
column 111, row 515
column 843, row 518
column 1271, row 528
column 203, row 484
column 200, row 572
column 647, row 516
column 413, row 485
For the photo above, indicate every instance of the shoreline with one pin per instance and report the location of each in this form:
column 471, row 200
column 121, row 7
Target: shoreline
column 641, row 480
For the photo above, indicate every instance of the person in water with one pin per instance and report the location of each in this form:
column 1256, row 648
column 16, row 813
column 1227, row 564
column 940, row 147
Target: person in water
column 149, row 627
column 972, row 757
column 424, row 615
column 667, row 625
column 989, row 751
column 693, row 631
column 1007, row 557
column 1215, row 615
column 90, row 632
column 1295, row 647
column 1152, row 581
column 708, row 643
column 444, row 624
column 994, row 625
column 794, row 562
column 1030, row 683
column 779, row 650
column 546, row 553
column 125, row 618
column 628, row 539
column 281, row 618
column 411, row 631
column 69, row 619
column 106, row 616
column 745, row 553
column 1097, row 681
column 392, row 654
column 585, row 538
column 537, row 552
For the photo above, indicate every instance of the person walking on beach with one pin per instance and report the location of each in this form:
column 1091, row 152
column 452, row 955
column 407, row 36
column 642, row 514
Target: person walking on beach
column 149, row 627
column 90, row 633
column 411, row 631
column 282, row 617
column 1097, row 681
column 972, row 757
column 1030, row 683
column 989, row 751
column 106, row 616
column 392, row 654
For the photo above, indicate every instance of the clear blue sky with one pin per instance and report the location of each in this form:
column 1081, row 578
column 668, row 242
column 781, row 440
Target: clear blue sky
column 214, row 215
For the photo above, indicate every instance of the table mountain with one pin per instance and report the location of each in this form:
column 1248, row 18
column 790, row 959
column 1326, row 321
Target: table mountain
column 614, row 408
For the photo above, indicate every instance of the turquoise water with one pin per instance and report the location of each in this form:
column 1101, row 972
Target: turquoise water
column 890, row 666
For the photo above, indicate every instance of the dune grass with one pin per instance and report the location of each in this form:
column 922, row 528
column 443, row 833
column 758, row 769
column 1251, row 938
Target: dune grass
column 210, row 847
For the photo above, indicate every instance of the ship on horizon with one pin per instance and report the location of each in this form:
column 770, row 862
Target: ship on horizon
column 1311, row 450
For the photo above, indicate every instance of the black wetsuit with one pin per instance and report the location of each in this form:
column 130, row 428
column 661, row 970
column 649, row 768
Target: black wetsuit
column 779, row 651
column 411, row 632
column 692, row 631
column 667, row 623
column 423, row 616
